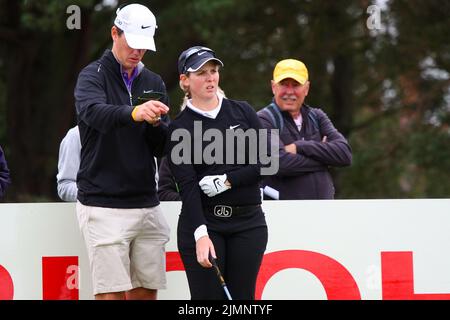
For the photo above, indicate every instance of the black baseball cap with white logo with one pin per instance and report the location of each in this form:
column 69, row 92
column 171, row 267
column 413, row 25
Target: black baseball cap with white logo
column 194, row 58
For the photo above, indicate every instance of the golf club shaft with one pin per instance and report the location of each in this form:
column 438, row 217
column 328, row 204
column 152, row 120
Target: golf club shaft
column 221, row 279
column 227, row 292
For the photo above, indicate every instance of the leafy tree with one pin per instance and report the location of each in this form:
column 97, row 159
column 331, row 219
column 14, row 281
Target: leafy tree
column 386, row 89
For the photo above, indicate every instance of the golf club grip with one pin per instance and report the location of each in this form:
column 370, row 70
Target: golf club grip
column 221, row 279
column 219, row 274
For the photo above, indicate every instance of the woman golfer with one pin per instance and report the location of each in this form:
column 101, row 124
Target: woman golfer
column 212, row 157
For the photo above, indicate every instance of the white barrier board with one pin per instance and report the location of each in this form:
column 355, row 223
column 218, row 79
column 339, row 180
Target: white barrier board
column 333, row 249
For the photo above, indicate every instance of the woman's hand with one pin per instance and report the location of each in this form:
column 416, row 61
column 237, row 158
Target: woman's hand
column 204, row 247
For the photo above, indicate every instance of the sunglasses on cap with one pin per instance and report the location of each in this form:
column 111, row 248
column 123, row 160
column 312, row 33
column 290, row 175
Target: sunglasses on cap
column 185, row 57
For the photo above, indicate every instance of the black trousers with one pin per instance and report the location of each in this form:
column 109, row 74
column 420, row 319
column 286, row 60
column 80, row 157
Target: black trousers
column 239, row 243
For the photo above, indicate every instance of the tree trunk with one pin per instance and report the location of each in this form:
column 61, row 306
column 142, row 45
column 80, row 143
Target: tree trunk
column 342, row 95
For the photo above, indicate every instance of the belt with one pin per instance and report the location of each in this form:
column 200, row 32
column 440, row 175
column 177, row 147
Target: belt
column 225, row 211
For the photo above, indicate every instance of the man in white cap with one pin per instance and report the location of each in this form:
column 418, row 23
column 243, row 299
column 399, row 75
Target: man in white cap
column 121, row 132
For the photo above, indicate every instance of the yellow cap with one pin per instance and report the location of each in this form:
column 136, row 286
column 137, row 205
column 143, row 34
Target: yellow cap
column 290, row 68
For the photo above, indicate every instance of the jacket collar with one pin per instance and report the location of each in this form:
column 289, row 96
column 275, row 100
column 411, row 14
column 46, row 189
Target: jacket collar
column 304, row 110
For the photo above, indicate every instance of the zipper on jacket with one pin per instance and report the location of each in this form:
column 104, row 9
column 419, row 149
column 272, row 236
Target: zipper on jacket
column 126, row 87
column 129, row 92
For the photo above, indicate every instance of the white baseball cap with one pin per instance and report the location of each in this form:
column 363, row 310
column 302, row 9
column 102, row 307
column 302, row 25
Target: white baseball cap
column 138, row 24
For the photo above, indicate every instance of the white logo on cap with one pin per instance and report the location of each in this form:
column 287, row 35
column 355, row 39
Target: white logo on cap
column 200, row 53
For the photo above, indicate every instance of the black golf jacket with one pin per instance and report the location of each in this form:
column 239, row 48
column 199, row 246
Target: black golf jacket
column 117, row 168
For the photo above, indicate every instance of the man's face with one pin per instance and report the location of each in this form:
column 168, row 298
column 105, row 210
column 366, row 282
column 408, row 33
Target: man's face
column 128, row 57
column 290, row 94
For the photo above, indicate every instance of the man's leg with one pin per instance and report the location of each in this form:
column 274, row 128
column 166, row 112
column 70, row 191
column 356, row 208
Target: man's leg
column 148, row 256
column 110, row 296
column 142, row 294
column 107, row 245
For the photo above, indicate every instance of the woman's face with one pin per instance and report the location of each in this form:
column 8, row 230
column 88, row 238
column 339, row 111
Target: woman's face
column 203, row 83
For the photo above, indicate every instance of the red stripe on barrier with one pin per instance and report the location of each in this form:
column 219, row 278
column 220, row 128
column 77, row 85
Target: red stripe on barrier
column 60, row 278
column 173, row 261
column 398, row 278
column 335, row 278
column 6, row 285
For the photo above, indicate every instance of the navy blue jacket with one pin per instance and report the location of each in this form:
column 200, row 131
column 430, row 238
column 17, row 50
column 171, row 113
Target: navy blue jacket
column 305, row 175
column 5, row 180
column 117, row 167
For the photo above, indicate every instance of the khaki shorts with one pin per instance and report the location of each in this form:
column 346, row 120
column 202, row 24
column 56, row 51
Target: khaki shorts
column 126, row 247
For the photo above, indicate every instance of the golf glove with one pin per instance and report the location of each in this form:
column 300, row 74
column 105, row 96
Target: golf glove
column 213, row 185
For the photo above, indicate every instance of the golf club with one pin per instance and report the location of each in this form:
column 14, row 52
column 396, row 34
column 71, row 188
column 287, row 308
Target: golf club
column 219, row 275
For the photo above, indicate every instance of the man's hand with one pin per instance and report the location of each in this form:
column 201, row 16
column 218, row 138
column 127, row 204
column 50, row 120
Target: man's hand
column 291, row 148
column 213, row 185
column 149, row 111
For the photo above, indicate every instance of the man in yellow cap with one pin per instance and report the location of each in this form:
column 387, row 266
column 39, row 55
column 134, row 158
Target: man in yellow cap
column 309, row 143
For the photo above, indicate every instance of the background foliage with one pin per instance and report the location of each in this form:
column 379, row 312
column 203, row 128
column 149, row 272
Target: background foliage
column 386, row 89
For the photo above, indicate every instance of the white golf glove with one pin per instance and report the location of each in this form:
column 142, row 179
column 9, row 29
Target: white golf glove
column 213, row 185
